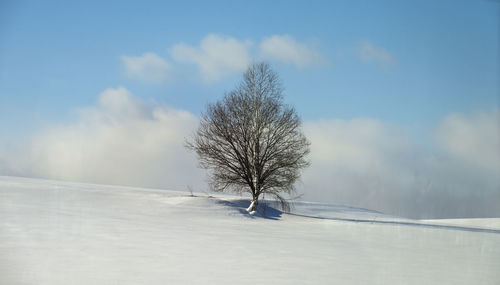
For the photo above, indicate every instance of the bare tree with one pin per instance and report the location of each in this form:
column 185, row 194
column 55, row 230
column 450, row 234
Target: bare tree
column 250, row 141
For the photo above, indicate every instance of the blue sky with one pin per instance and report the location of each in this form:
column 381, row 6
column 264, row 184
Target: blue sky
column 407, row 65
column 57, row 55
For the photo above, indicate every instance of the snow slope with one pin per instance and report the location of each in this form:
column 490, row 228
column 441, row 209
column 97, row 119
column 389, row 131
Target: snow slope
column 71, row 233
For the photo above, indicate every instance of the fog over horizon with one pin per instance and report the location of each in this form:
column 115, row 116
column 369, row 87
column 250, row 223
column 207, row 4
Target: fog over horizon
column 453, row 172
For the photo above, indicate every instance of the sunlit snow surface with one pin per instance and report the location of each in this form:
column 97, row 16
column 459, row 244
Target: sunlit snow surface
column 71, row 233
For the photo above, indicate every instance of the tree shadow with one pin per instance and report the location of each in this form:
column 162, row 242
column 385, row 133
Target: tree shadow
column 400, row 223
column 265, row 209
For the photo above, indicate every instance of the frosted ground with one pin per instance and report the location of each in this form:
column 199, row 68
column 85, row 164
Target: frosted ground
column 71, row 233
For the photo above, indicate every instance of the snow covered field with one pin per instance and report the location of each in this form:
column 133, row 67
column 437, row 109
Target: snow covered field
column 71, row 233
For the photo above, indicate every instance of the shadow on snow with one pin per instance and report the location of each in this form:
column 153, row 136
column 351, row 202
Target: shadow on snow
column 264, row 209
column 401, row 223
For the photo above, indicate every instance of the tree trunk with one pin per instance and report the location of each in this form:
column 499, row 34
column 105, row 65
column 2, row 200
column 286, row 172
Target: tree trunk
column 253, row 206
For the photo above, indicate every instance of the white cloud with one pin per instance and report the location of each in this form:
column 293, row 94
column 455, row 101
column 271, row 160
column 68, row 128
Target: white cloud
column 475, row 138
column 217, row 56
column 121, row 140
column 368, row 52
column 148, row 67
column 371, row 164
column 285, row 49
column 361, row 162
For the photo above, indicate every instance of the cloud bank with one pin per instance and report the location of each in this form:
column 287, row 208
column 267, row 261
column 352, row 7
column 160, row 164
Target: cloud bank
column 360, row 162
column 121, row 140
column 474, row 138
column 371, row 164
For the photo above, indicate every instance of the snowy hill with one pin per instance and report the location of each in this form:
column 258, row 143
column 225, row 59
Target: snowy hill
column 72, row 233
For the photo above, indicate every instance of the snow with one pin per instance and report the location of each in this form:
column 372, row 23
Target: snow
column 55, row 232
column 483, row 223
